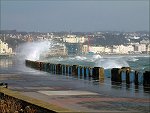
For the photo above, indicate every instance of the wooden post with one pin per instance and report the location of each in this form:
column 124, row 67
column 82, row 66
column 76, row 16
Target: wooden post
column 74, row 70
column 146, row 79
column 116, row 75
column 136, row 78
column 127, row 77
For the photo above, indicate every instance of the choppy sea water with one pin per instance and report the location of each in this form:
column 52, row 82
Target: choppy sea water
column 139, row 63
column 136, row 62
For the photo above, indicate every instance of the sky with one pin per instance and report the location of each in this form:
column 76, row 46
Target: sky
column 75, row 16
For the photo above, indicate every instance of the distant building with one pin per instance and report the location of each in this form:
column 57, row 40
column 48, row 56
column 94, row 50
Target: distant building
column 144, row 42
column 108, row 50
column 55, row 50
column 85, row 49
column 74, row 39
column 115, row 49
column 74, row 48
column 148, row 48
column 121, row 49
column 140, row 48
column 97, row 49
column 4, row 49
column 118, row 49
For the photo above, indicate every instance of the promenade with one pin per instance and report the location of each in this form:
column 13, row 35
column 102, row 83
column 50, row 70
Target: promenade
column 69, row 94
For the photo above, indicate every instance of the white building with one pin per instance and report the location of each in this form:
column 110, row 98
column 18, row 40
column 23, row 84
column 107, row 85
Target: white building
column 85, row 49
column 4, row 49
column 74, row 39
column 148, row 48
column 140, row 47
column 97, row 49
column 121, row 49
column 144, row 42
column 130, row 48
column 118, row 49
column 115, row 49
column 94, row 49
column 108, row 50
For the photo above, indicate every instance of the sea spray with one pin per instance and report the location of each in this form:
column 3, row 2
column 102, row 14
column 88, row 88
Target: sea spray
column 33, row 50
column 109, row 63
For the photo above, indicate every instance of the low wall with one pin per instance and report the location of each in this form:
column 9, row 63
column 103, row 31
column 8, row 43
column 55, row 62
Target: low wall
column 26, row 102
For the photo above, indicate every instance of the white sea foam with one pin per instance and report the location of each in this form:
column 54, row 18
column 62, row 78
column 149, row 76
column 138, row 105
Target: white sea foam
column 111, row 63
column 132, row 59
column 80, row 58
column 96, row 56
column 33, row 50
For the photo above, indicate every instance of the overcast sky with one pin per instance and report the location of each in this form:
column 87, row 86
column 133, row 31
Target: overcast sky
column 49, row 16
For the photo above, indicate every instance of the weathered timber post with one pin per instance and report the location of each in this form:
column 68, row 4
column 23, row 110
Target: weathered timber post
column 127, row 76
column 98, row 72
column 146, row 79
column 74, row 70
column 116, row 75
column 136, row 82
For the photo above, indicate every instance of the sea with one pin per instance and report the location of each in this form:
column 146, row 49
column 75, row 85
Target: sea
column 140, row 63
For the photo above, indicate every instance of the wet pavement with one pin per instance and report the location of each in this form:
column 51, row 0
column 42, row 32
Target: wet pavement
column 74, row 93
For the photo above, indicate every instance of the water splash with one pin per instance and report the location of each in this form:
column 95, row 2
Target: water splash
column 111, row 63
column 80, row 58
column 33, row 50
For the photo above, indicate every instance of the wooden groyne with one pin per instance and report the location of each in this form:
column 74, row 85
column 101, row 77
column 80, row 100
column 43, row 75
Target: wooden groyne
column 118, row 75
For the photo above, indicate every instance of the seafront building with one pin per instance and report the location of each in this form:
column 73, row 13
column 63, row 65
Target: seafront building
column 122, row 49
column 78, row 43
column 74, row 39
column 55, row 50
column 118, row 49
column 97, row 49
column 4, row 49
column 74, row 44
